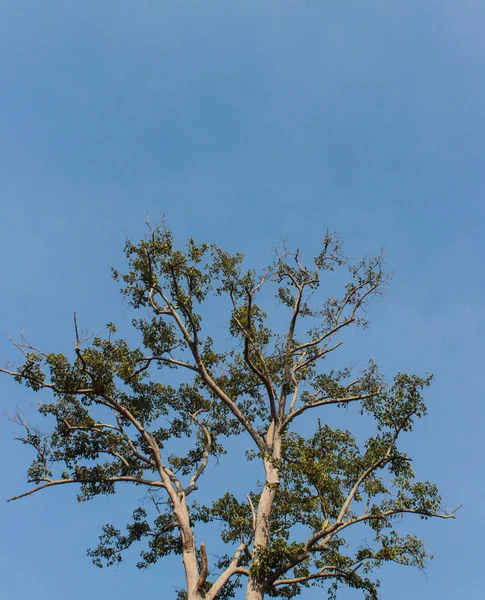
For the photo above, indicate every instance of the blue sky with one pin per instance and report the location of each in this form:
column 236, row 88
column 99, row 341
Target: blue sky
column 246, row 123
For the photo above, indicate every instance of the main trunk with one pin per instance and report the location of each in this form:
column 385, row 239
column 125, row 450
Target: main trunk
column 255, row 589
column 189, row 555
column 256, row 583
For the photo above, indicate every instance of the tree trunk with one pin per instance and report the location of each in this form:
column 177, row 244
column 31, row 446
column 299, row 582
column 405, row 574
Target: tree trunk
column 255, row 589
column 191, row 575
column 256, row 584
column 189, row 556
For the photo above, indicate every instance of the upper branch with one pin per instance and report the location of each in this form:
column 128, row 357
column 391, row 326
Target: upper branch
column 209, row 381
column 328, row 400
column 249, row 341
column 400, row 511
column 205, row 457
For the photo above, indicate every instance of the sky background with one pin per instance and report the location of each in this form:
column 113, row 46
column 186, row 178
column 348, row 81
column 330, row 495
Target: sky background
column 246, row 123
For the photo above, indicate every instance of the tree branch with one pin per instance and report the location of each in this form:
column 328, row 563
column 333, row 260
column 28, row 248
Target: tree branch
column 209, row 381
column 400, row 511
column 205, row 457
column 333, row 571
column 54, row 482
column 231, row 570
column 325, row 401
column 263, row 377
column 324, row 336
column 203, row 568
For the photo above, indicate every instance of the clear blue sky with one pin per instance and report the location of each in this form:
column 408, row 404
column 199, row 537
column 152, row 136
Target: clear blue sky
column 246, row 122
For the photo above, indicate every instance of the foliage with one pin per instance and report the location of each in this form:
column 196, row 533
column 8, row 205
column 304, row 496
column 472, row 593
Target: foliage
column 120, row 418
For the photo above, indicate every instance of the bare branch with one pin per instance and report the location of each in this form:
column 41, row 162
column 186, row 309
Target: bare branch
column 232, row 569
column 253, row 515
column 130, row 443
column 174, row 479
column 324, row 351
column 328, row 400
column 399, row 511
column 25, row 375
column 96, row 427
column 324, row 336
column 205, row 457
column 325, row 572
column 147, row 360
column 54, row 482
column 172, row 361
column 248, row 340
column 289, row 374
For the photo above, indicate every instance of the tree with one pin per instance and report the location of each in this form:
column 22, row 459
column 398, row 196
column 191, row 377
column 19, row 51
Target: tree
column 156, row 414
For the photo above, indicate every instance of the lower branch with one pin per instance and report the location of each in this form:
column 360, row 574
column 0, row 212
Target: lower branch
column 327, row 534
column 231, row 570
column 51, row 483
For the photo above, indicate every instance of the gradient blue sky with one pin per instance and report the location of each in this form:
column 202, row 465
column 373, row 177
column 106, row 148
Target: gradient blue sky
column 246, row 122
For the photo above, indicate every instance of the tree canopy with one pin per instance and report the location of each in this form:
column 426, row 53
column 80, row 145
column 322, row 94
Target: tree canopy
column 156, row 413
